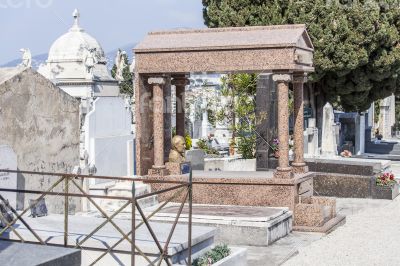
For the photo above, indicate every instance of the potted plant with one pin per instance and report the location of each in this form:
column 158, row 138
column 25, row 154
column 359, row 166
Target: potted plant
column 386, row 179
column 385, row 187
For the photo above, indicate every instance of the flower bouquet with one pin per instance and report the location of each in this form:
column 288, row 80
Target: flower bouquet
column 385, row 179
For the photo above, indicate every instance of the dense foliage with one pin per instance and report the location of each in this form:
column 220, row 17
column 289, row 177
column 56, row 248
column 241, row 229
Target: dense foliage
column 357, row 51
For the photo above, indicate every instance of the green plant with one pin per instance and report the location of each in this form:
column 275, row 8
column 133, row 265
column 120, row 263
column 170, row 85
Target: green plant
column 203, row 145
column 239, row 112
column 214, row 255
column 246, row 146
column 188, row 141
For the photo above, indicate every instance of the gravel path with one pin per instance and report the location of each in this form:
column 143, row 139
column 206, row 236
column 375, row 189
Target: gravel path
column 370, row 237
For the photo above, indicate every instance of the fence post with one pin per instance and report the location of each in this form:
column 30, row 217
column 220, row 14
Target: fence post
column 190, row 188
column 66, row 207
column 133, row 244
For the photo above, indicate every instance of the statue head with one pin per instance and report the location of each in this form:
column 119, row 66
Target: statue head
column 179, row 144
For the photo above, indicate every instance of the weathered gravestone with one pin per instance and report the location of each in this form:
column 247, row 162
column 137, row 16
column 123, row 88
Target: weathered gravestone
column 8, row 161
column 196, row 158
column 328, row 146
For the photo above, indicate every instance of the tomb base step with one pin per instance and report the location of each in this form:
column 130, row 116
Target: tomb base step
column 316, row 214
column 236, row 225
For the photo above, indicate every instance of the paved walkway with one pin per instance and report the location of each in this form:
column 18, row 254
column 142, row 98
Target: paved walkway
column 369, row 237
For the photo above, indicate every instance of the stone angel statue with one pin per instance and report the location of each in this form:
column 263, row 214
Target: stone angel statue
column 26, row 58
column 121, row 64
column 90, row 61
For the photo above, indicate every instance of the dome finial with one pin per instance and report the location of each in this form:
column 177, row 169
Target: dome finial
column 76, row 16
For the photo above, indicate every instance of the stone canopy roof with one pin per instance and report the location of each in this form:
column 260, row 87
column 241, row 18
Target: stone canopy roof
column 282, row 48
column 226, row 38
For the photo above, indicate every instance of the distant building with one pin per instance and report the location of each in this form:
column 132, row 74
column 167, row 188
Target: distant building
column 77, row 64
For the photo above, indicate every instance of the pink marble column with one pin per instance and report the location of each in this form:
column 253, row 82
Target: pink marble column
column 299, row 165
column 180, row 84
column 158, row 125
column 283, row 170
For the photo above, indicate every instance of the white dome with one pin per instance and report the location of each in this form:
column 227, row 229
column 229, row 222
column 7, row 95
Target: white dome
column 73, row 45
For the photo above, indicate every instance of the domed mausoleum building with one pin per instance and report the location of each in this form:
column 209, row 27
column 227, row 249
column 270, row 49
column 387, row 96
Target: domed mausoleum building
column 77, row 64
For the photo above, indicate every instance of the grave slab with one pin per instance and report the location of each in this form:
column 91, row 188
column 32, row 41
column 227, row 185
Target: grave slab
column 21, row 254
column 51, row 228
column 236, row 225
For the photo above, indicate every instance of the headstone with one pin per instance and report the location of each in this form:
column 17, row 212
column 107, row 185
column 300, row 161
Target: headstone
column 196, row 158
column 204, row 122
column 328, row 146
column 360, row 134
column 8, row 161
column 312, row 140
column 387, row 116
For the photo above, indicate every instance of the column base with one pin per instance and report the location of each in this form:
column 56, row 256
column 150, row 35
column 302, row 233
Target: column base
column 158, row 171
column 300, row 168
column 284, row 173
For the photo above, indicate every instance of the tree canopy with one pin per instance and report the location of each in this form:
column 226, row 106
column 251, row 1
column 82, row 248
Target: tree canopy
column 357, row 50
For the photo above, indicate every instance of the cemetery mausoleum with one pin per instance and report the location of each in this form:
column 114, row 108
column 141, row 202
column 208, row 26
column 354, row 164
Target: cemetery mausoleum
column 168, row 57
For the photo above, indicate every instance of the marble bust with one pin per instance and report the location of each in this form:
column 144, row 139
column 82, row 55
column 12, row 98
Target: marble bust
column 177, row 153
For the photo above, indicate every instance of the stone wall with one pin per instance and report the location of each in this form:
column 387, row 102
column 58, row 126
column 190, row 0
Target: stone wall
column 41, row 124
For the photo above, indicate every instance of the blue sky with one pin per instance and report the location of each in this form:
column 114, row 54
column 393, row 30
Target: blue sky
column 35, row 24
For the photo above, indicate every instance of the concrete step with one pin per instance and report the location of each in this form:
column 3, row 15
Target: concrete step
column 51, row 227
column 236, row 225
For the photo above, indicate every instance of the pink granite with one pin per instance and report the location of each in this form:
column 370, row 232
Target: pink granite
column 158, row 123
column 223, row 38
column 252, row 49
column 299, row 165
column 144, row 125
column 283, row 170
column 247, row 191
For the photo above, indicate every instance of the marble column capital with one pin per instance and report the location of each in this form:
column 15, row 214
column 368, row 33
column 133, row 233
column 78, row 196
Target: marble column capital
column 157, row 80
column 299, row 78
column 180, row 81
column 282, row 78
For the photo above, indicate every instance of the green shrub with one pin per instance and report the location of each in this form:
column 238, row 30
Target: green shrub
column 202, row 144
column 214, row 255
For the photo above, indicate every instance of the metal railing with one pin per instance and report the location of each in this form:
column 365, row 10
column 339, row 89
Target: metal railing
column 182, row 188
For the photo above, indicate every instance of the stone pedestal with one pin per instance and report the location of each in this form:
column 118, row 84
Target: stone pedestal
column 299, row 166
column 283, row 170
column 158, row 171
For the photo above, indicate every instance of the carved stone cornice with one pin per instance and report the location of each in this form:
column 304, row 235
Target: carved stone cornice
column 180, row 81
column 299, row 78
column 157, row 80
column 282, row 78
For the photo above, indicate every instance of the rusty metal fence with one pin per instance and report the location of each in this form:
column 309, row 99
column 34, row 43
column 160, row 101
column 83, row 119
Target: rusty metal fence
column 70, row 180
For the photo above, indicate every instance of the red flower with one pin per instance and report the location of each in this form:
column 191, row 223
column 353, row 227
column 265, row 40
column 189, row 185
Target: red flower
column 391, row 177
column 383, row 178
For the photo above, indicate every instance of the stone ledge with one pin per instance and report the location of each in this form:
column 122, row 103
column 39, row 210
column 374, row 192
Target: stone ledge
column 328, row 227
